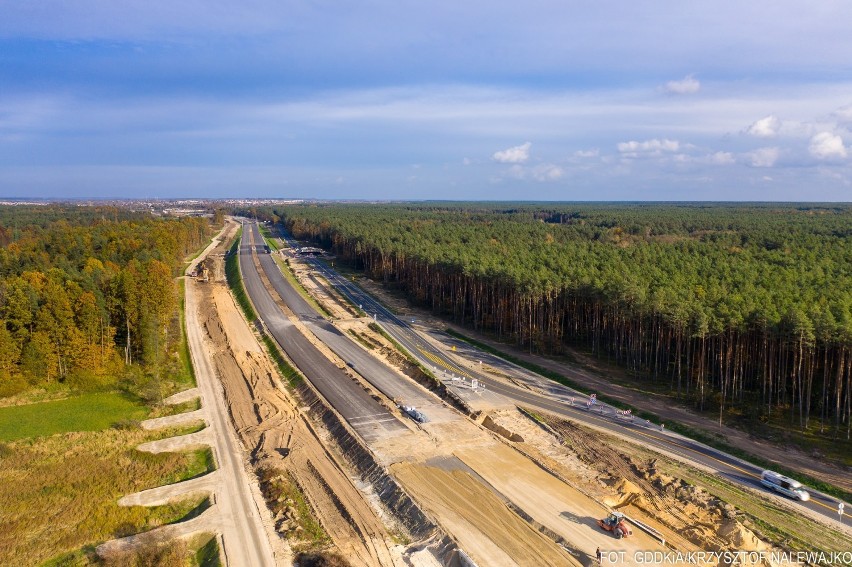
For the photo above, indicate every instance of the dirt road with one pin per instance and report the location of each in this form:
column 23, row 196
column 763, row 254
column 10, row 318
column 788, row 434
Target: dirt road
column 272, row 428
column 244, row 536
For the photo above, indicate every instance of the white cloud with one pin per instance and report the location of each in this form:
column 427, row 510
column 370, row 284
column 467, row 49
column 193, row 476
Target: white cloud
column 763, row 157
column 542, row 172
column 547, row 172
column 516, row 154
column 722, row 158
column 765, row 127
column 687, row 85
column 648, row 148
column 843, row 115
column 826, row 145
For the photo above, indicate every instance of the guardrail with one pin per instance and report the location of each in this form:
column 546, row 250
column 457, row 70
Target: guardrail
column 647, row 529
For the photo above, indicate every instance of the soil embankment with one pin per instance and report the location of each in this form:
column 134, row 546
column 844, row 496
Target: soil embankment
column 271, row 427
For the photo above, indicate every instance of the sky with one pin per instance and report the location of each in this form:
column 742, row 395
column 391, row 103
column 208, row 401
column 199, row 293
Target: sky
column 396, row 99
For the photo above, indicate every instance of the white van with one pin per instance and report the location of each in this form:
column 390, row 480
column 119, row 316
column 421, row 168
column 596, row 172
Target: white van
column 786, row 486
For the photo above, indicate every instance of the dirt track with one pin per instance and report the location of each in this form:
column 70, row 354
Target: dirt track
column 270, row 425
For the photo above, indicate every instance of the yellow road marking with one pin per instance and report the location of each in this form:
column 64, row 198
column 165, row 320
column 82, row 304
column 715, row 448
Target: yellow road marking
column 441, row 362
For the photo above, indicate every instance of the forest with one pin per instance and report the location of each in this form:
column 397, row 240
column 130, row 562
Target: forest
column 87, row 292
column 731, row 307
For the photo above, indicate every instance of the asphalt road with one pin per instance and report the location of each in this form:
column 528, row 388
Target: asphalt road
column 378, row 374
column 366, row 415
column 539, row 393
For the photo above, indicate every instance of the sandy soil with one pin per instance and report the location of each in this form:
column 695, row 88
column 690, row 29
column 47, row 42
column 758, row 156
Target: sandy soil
column 270, row 425
column 687, row 516
column 484, row 527
column 479, row 482
column 594, row 376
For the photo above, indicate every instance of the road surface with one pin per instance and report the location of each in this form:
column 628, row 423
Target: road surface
column 376, row 372
column 366, row 415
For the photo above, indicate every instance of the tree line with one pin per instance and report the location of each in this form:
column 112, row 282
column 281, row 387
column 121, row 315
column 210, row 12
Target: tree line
column 746, row 306
column 88, row 291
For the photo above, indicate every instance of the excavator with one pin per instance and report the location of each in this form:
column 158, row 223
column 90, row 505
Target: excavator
column 616, row 524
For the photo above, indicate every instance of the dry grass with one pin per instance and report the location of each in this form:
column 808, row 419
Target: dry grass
column 60, row 493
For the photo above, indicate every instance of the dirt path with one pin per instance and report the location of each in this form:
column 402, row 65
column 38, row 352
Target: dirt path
column 485, row 528
column 237, row 514
column 272, row 428
column 492, row 499
column 243, row 531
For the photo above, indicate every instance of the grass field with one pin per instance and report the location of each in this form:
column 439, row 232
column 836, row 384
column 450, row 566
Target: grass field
column 86, row 412
column 187, row 376
column 60, row 493
column 235, row 279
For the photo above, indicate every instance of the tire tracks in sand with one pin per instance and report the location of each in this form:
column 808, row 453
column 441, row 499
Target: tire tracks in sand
column 270, row 426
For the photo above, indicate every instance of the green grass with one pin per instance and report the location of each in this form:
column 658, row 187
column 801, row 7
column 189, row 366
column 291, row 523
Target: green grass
column 235, row 279
column 267, row 236
column 686, row 431
column 207, row 554
column 188, row 375
column 294, row 281
column 283, row 492
column 362, row 340
column 60, row 493
column 198, row 463
column 201, row 550
column 408, row 356
column 289, row 373
column 174, row 409
column 86, row 412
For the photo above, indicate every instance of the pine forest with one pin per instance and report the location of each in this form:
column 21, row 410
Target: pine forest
column 731, row 307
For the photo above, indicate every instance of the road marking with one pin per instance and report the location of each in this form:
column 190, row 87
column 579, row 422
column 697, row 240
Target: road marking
column 440, row 361
column 371, row 417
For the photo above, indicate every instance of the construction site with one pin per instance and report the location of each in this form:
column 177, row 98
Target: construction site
column 474, row 480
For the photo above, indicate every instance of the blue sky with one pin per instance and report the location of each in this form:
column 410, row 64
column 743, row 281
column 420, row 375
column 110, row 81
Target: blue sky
column 540, row 100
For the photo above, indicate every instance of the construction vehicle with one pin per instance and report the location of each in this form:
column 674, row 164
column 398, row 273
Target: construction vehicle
column 617, row 524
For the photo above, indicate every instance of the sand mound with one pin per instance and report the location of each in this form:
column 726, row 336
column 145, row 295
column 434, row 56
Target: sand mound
column 627, row 493
column 486, row 421
column 740, row 537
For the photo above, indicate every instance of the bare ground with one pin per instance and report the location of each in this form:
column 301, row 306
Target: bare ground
column 235, row 514
column 500, row 506
column 674, row 498
column 269, row 422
